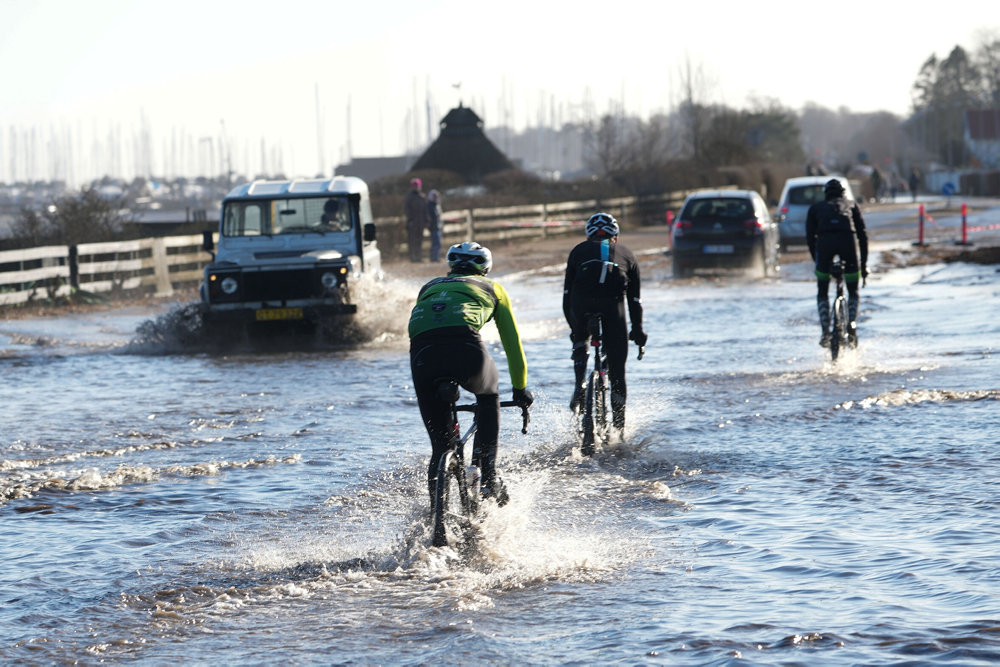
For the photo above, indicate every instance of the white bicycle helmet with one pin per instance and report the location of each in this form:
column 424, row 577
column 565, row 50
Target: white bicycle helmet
column 602, row 225
column 470, row 257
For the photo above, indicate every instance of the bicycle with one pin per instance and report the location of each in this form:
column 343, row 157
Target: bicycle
column 456, row 491
column 595, row 422
column 841, row 333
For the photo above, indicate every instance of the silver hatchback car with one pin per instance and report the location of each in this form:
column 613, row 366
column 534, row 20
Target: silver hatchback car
column 797, row 196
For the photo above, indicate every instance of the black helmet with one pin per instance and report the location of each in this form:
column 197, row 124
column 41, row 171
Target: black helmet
column 833, row 188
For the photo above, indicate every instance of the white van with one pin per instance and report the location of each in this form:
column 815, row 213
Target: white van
column 289, row 251
column 797, row 196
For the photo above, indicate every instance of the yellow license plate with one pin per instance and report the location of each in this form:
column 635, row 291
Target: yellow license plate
column 270, row 314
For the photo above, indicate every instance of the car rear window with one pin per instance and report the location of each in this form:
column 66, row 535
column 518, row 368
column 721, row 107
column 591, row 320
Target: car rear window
column 722, row 207
column 805, row 195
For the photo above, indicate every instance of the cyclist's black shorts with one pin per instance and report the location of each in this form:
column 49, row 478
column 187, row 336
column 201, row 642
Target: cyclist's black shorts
column 455, row 352
column 459, row 353
column 614, row 325
column 615, row 335
column 830, row 245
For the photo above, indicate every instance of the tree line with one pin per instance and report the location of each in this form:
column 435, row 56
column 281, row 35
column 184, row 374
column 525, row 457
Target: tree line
column 945, row 89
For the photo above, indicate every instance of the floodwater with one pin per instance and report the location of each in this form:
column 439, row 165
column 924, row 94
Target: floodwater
column 766, row 506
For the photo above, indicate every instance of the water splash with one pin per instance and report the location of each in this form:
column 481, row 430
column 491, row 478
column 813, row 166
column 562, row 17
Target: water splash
column 383, row 312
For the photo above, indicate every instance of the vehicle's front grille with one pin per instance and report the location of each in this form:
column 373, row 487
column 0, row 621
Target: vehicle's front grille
column 278, row 285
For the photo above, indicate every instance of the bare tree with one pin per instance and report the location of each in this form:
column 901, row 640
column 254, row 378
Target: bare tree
column 987, row 61
column 86, row 217
column 609, row 145
column 694, row 109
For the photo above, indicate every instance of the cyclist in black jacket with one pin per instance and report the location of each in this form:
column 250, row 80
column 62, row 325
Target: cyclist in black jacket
column 602, row 276
column 832, row 226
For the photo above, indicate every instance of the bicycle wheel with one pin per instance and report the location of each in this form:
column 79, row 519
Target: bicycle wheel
column 845, row 322
column 602, row 419
column 587, row 416
column 452, row 505
column 839, row 333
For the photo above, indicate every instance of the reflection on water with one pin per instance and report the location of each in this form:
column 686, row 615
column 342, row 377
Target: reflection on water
column 167, row 502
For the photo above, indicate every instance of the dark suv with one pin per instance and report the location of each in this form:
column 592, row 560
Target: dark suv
column 724, row 229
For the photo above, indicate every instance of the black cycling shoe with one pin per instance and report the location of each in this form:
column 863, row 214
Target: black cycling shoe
column 576, row 403
column 825, row 340
column 495, row 490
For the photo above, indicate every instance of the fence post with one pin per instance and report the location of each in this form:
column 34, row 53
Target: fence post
column 160, row 269
column 74, row 267
column 470, row 225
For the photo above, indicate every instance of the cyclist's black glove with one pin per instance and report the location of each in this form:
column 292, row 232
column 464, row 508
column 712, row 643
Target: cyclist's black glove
column 639, row 336
column 523, row 397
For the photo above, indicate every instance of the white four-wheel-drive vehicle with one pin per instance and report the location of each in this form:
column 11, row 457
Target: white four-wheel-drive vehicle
column 289, row 251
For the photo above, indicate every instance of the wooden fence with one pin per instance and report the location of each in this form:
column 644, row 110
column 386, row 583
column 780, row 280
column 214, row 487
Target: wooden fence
column 151, row 264
column 162, row 264
column 489, row 225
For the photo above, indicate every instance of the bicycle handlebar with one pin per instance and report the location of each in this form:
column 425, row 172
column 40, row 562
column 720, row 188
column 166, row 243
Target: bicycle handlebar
column 525, row 418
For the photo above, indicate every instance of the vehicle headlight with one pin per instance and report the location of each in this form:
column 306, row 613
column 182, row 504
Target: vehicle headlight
column 328, row 279
column 229, row 285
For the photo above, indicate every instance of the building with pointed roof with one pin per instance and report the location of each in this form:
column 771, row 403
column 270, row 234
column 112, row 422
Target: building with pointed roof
column 463, row 148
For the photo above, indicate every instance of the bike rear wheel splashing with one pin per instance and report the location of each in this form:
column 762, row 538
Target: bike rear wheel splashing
column 457, row 487
column 842, row 335
column 594, row 419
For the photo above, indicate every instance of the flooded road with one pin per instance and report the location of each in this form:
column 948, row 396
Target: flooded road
column 766, row 506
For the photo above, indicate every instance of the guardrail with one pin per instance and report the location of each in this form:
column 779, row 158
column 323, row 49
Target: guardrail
column 163, row 263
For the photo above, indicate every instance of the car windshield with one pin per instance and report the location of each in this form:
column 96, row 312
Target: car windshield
column 805, row 195
column 261, row 217
column 719, row 207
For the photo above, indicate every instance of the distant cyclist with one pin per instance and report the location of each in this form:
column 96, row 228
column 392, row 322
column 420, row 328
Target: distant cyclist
column 602, row 277
column 445, row 343
column 832, row 227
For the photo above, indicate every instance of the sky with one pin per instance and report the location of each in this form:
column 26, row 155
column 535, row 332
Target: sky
column 308, row 84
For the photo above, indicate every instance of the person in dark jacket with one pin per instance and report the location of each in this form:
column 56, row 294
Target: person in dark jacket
column 415, row 207
column 835, row 227
column 602, row 276
column 434, row 223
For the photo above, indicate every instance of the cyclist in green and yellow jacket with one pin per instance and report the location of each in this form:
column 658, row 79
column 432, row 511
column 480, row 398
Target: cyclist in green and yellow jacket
column 445, row 343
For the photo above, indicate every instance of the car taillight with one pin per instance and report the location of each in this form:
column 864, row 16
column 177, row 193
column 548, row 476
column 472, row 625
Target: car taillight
column 754, row 225
column 784, row 210
column 680, row 226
